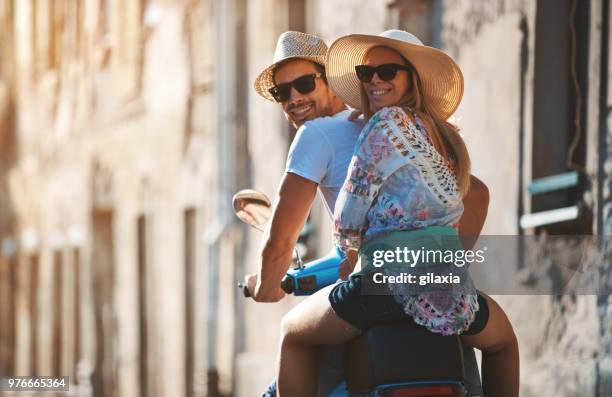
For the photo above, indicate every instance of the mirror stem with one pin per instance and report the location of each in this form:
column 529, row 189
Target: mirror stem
column 300, row 264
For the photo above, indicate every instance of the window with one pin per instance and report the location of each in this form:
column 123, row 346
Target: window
column 559, row 122
column 121, row 27
column 76, row 268
column 141, row 238
column 297, row 15
column 129, row 47
column 423, row 18
column 104, row 380
column 8, row 282
column 33, row 268
column 190, row 315
column 58, row 284
column 297, row 21
column 201, row 24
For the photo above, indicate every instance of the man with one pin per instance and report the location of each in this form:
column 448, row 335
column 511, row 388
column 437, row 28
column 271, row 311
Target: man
column 318, row 158
column 319, row 155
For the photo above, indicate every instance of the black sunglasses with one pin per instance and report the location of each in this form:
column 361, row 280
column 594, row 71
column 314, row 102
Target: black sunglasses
column 385, row 72
column 303, row 85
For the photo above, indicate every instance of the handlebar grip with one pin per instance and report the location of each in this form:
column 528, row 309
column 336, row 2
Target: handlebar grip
column 287, row 285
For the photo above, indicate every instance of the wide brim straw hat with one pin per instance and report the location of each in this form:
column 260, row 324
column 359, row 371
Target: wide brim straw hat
column 441, row 78
column 290, row 45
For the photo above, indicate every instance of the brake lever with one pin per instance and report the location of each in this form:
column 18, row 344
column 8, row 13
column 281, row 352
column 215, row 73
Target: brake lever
column 245, row 290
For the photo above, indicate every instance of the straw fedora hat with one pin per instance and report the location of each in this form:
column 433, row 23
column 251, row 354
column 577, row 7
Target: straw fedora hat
column 441, row 78
column 290, row 45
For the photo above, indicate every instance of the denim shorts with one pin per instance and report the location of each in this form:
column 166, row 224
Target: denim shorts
column 365, row 310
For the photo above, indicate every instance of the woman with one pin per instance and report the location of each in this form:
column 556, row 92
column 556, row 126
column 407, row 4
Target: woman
column 406, row 180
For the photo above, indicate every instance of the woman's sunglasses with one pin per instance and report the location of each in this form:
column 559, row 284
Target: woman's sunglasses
column 303, row 84
column 385, row 72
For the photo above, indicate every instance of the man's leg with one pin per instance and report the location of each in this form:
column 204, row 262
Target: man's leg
column 330, row 370
column 313, row 322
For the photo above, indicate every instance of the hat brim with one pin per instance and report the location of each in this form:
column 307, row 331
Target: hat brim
column 440, row 76
column 265, row 80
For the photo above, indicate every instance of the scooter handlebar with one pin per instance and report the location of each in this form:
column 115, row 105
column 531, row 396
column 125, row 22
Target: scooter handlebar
column 310, row 278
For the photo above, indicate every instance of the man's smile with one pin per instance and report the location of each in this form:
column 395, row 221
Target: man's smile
column 301, row 110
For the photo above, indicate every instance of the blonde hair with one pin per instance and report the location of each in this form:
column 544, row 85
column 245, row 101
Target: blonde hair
column 444, row 135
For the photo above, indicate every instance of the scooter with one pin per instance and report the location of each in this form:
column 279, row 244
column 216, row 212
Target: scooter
column 390, row 360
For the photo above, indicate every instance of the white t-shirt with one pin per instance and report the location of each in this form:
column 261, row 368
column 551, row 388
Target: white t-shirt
column 321, row 152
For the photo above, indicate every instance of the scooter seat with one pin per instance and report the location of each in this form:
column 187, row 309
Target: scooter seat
column 392, row 353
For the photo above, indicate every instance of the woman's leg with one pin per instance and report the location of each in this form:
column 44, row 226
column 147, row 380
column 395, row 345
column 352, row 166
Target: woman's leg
column 312, row 322
column 500, row 353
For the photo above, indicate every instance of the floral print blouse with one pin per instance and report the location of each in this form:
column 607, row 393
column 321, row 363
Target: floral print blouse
column 398, row 181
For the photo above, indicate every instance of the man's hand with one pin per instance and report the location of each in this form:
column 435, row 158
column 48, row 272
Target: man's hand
column 250, row 283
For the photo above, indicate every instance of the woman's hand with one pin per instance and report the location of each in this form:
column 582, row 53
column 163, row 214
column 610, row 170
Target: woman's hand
column 347, row 265
column 354, row 115
column 345, row 269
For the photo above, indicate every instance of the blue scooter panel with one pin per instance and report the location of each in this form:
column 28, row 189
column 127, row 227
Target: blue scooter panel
column 314, row 275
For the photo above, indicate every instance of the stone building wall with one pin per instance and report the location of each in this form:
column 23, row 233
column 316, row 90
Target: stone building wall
column 605, row 302
column 115, row 124
column 562, row 339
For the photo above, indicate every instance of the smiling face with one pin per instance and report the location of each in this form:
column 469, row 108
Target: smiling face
column 385, row 93
column 300, row 108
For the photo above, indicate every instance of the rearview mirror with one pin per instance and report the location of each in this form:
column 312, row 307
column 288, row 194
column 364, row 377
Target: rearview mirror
column 252, row 207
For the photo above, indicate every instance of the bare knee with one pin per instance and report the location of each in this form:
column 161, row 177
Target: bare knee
column 288, row 326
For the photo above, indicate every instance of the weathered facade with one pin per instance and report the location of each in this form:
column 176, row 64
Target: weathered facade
column 111, row 124
column 125, row 126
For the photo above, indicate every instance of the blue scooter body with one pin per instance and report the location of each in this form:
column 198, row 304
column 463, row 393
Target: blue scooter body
column 314, row 275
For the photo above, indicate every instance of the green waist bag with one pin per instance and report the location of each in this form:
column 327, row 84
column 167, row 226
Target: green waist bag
column 418, row 250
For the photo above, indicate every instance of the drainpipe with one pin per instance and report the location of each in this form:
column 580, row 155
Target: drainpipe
column 225, row 98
